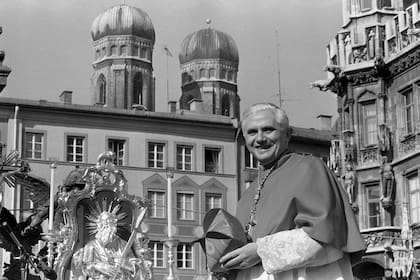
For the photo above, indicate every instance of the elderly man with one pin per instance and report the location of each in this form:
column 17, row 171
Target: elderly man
column 298, row 219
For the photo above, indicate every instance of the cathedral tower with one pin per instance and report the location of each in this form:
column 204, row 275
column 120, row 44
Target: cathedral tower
column 209, row 64
column 123, row 39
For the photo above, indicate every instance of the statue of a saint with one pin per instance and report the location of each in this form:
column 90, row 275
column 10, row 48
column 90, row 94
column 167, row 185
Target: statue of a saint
column 102, row 258
column 387, row 181
column 349, row 181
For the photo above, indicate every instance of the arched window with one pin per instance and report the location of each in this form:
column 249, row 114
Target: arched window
column 212, row 73
column 225, row 105
column 138, row 89
column 202, row 73
column 192, row 75
column 229, row 76
column 97, row 54
column 184, row 77
column 113, row 50
column 123, row 50
column 135, row 51
column 223, row 74
column 143, row 52
column 101, row 86
column 103, row 52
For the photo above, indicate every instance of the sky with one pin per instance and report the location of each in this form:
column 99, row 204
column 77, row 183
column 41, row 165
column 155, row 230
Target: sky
column 49, row 48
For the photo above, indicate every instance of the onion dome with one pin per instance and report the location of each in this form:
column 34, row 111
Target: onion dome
column 207, row 44
column 123, row 20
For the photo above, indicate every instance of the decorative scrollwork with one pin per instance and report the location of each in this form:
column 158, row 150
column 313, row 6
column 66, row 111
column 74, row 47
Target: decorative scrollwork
column 103, row 196
column 369, row 156
column 408, row 145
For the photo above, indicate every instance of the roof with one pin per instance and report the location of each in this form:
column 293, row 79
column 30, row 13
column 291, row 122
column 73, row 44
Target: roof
column 208, row 43
column 181, row 115
column 123, row 20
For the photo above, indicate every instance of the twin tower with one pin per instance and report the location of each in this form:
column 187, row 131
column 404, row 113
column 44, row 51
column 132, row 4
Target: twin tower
column 123, row 40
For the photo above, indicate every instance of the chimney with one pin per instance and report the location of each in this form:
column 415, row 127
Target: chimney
column 196, row 105
column 324, row 122
column 65, row 97
column 172, row 106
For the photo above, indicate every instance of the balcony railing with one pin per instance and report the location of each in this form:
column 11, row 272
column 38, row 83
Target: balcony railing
column 369, row 156
column 377, row 238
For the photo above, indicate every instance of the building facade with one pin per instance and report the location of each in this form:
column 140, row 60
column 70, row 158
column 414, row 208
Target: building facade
column 373, row 68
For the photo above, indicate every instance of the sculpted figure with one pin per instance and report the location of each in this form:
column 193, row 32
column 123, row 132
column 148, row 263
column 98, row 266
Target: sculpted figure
column 102, row 258
column 387, row 180
column 349, row 179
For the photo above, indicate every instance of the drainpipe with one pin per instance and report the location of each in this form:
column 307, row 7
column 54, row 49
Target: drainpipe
column 15, row 128
column 16, row 193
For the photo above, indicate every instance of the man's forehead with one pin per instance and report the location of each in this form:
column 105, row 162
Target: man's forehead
column 263, row 117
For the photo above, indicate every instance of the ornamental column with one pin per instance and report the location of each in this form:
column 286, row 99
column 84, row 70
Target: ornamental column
column 4, row 70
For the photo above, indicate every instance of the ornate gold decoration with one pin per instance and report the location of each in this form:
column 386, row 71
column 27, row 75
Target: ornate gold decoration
column 78, row 212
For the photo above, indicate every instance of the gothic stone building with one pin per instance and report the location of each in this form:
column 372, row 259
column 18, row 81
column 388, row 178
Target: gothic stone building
column 373, row 66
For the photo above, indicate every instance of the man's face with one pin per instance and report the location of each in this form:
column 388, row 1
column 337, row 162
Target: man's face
column 106, row 231
column 265, row 138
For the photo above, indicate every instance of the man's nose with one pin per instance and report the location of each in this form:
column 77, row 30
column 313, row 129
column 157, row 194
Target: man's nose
column 260, row 136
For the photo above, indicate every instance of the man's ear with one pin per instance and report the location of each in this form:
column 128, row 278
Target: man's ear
column 289, row 132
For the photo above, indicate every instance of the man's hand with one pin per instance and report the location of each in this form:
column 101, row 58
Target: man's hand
column 241, row 258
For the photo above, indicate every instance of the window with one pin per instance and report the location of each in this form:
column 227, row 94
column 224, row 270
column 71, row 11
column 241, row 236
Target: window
column 135, row 51
column 157, row 199
column 250, row 160
column 185, row 206
column 414, row 193
column 407, row 3
column 75, row 148
column 365, row 4
column 143, row 52
column 123, row 50
column 202, row 73
column 369, row 126
column 184, row 157
column 373, row 205
column 213, row 200
column 113, row 50
column 156, row 155
column 212, row 73
column 229, row 75
column 101, row 89
column 211, row 160
column 34, row 145
column 138, row 89
column 97, row 54
column 384, row 3
column 408, row 111
column 226, row 105
column 184, row 256
column 118, row 147
column 156, row 248
column 223, row 74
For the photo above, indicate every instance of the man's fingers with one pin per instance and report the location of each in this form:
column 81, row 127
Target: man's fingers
column 232, row 262
column 228, row 256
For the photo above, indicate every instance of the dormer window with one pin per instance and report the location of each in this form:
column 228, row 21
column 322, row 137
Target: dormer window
column 365, row 5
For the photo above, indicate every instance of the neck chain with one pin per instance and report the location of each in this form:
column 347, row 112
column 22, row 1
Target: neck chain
column 252, row 221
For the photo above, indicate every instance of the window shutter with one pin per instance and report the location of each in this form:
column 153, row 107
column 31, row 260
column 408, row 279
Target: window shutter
column 400, row 116
column 416, row 98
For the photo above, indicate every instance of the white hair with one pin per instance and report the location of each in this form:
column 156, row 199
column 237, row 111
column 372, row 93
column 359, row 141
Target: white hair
column 279, row 114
